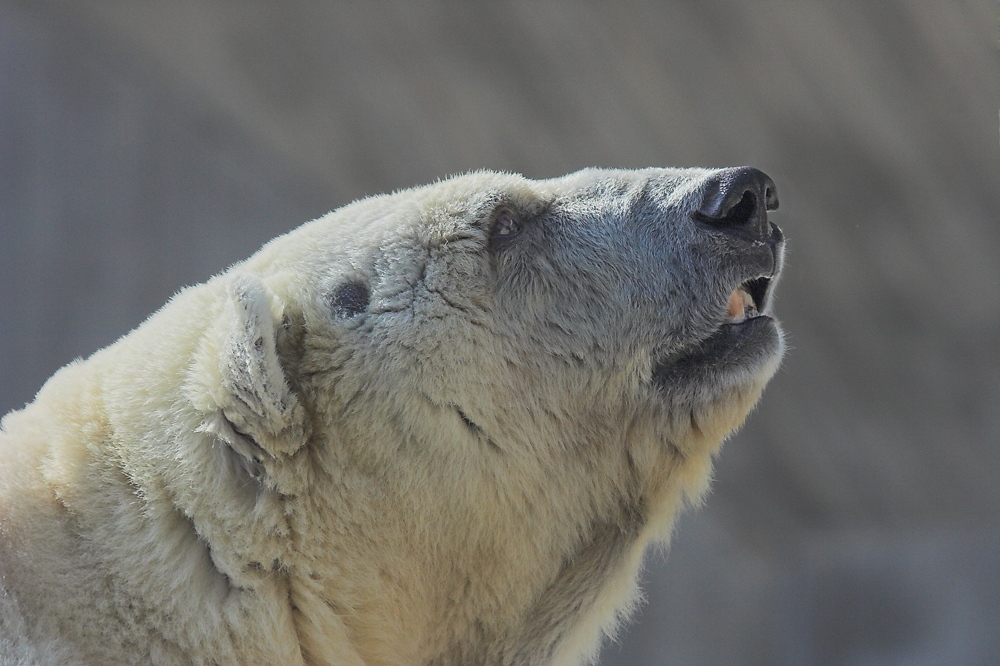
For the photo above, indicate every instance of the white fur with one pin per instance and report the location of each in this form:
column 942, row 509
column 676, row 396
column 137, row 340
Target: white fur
column 469, row 471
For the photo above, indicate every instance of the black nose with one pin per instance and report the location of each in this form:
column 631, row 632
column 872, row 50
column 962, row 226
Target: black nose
column 737, row 200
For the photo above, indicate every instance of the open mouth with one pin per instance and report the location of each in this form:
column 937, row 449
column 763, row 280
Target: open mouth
column 748, row 300
column 747, row 339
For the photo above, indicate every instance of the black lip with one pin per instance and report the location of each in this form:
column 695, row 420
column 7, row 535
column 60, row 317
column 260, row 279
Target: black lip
column 731, row 349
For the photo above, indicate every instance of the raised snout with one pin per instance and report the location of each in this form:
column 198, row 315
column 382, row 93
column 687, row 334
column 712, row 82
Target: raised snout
column 736, row 201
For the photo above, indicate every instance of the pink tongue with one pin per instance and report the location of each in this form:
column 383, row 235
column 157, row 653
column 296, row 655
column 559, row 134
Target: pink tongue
column 735, row 310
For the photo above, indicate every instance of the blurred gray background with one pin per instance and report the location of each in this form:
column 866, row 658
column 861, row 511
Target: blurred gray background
column 856, row 518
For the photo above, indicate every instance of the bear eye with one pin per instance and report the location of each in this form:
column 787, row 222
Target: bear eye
column 350, row 299
column 505, row 224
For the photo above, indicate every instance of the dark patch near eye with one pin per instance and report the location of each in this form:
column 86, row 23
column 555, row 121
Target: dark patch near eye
column 506, row 224
column 349, row 300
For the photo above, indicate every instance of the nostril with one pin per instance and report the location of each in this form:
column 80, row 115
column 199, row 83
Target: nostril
column 728, row 211
column 740, row 214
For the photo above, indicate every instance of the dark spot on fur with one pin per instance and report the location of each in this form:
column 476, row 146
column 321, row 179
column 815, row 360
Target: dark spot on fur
column 467, row 420
column 350, row 300
column 476, row 430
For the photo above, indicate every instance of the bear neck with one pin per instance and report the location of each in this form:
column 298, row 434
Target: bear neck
column 523, row 574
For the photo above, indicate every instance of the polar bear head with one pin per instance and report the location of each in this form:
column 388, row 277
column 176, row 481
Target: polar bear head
column 435, row 427
column 478, row 401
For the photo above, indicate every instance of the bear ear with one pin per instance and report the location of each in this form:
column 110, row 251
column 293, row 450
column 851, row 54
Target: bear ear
column 249, row 403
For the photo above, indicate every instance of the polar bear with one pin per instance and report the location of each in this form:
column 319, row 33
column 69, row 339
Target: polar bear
column 436, row 427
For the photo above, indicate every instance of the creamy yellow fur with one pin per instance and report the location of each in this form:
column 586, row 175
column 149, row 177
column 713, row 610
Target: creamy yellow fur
column 247, row 478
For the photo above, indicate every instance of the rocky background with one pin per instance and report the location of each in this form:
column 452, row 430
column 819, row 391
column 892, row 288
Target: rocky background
column 856, row 518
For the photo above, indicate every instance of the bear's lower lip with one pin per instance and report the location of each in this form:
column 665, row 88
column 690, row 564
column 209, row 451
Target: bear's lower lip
column 733, row 350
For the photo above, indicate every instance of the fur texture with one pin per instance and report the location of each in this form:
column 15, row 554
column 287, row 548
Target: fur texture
column 436, row 427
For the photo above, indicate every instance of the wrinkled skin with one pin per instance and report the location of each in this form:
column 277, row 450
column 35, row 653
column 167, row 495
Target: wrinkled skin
column 435, row 427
